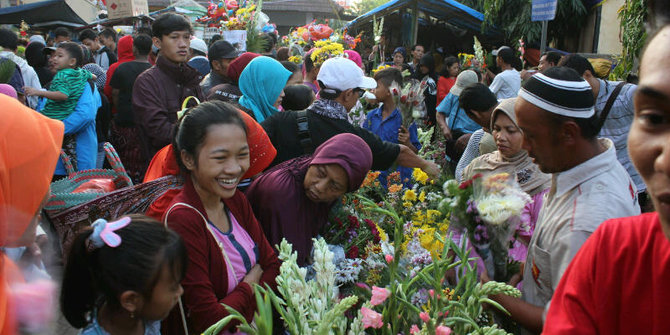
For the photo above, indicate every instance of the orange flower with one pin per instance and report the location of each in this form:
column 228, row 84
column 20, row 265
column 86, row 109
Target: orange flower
column 395, row 188
column 370, row 178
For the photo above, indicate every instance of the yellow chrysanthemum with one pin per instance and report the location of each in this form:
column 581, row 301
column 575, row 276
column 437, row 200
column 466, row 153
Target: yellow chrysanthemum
column 418, row 217
column 382, row 233
column 407, row 204
column 422, row 196
column 409, row 195
column 429, row 242
column 295, row 59
column 379, row 68
column 325, row 49
column 432, row 215
column 420, row 176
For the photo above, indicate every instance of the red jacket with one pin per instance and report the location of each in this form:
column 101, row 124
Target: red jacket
column 125, row 54
column 206, row 281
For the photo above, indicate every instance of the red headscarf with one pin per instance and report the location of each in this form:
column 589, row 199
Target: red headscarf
column 29, row 147
column 164, row 163
column 125, row 50
column 236, row 67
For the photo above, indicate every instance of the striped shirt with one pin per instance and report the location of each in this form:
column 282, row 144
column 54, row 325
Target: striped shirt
column 70, row 82
column 618, row 124
column 238, row 248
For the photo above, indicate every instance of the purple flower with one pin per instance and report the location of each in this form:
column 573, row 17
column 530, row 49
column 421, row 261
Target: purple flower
column 471, row 207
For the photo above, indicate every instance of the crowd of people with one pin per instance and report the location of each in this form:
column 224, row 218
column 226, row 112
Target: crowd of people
column 265, row 148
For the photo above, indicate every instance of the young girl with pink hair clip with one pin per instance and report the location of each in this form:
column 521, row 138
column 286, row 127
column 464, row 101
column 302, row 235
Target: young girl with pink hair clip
column 123, row 277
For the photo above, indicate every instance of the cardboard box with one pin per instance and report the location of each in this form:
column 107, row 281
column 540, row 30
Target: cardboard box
column 117, row 9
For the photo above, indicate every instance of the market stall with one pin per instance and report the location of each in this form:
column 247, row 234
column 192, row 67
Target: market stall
column 42, row 14
column 428, row 21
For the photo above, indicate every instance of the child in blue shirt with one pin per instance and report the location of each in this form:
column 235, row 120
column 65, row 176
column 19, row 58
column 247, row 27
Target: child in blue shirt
column 386, row 121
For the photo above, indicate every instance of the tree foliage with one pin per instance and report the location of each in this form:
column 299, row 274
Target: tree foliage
column 632, row 15
column 513, row 17
column 365, row 6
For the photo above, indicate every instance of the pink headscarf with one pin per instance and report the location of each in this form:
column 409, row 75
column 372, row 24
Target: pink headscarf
column 355, row 57
column 8, row 90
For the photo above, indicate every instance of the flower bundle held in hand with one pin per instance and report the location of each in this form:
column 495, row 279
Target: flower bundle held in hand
column 489, row 209
column 408, row 98
column 324, row 50
column 242, row 18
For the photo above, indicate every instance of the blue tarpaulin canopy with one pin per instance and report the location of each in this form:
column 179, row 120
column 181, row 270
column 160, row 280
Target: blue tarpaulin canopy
column 41, row 14
column 451, row 11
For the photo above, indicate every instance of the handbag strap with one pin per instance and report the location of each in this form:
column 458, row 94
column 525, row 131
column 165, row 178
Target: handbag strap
column 304, row 136
column 67, row 163
column 610, row 103
column 115, row 162
column 223, row 252
column 180, row 113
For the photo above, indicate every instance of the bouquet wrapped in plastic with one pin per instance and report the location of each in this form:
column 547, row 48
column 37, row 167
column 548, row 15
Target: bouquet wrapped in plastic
column 499, row 202
column 409, row 99
column 489, row 208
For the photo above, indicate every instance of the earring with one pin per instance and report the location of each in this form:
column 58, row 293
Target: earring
column 132, row 315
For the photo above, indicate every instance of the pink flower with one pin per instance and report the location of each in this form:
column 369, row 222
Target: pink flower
column 371, row 318
column 424, row 316
column 414, row 329
column 431, row 292
column 363, row 286
column 389, row 258
column 379, row 295
column 442, row 330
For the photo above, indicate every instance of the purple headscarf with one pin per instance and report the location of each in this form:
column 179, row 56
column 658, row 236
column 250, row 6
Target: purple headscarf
column 348, row 151
column 278, row 196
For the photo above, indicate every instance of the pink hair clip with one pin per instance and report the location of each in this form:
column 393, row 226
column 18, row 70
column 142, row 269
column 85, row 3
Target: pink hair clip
column 104, row 232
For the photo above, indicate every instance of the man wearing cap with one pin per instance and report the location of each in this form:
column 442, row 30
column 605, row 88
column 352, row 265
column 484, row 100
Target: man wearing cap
column 555, row 112
column 453, row 120
column 342, row 83
column 220, row 54
column 199, row 59
column 508, row 82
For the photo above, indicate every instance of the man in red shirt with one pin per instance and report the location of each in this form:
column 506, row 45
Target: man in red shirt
column 619, row 282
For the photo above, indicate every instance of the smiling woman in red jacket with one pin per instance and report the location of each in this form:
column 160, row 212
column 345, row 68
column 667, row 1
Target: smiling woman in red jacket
column 227, row 249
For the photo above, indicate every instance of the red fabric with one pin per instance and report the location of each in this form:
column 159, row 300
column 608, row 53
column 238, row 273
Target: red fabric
column 125, row 54
column 164, row 163
column 618, row 283
column 236, row 67
column 206, row 281
column 532, row 56
column 444, row 85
